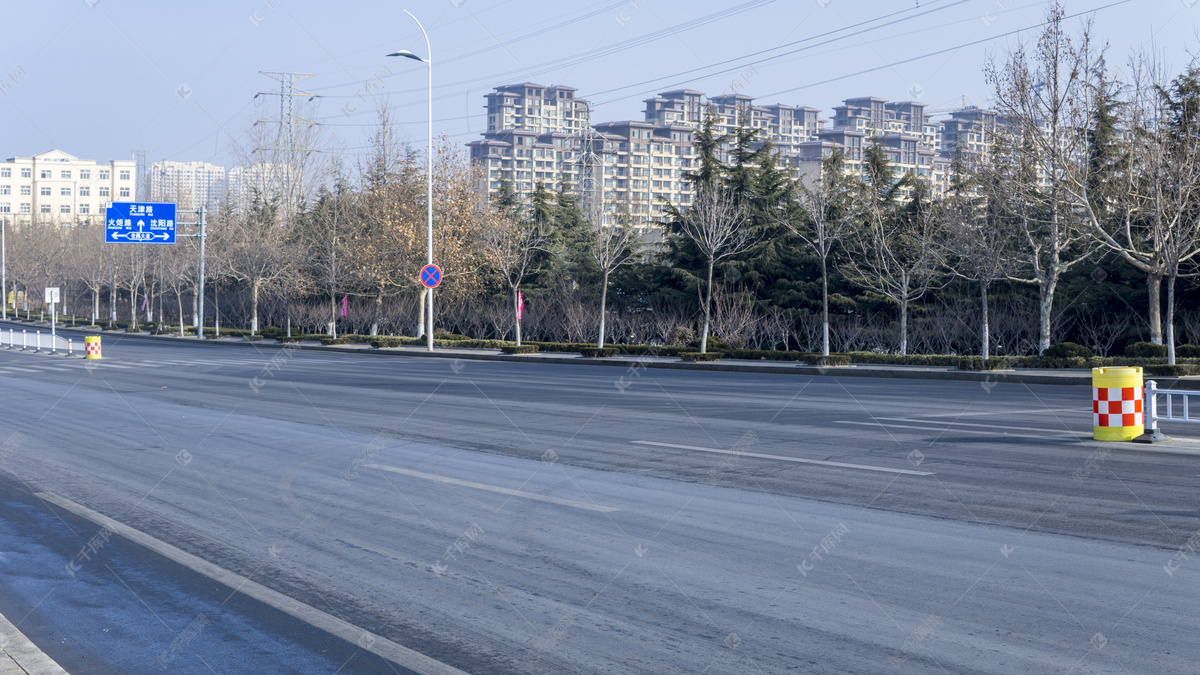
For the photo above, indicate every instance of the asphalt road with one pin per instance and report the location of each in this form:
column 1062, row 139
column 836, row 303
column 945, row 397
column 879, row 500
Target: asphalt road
column 536, row 518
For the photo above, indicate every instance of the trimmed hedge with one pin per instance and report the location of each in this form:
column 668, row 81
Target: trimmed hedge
column 904, row 359
column 1178, row 370
column 833, row 360
column 1066, row 350
column 979, row 363
column 523, row 349
column 1144, row 350
column 697, row 357
column 598, row 352
column 1187, row 351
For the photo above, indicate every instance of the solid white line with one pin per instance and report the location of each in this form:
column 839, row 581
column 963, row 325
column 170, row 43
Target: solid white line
column 981, row 432
column 26, row 654
column 345, row 630
column 781, row 458
column 493, row 488
column 973, row 424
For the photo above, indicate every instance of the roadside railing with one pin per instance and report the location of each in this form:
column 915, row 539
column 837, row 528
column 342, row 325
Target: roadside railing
column 36, row 341
column 1178, row 408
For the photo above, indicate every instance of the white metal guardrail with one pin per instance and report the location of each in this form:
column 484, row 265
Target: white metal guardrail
column 1178, row 408
column 37, row 341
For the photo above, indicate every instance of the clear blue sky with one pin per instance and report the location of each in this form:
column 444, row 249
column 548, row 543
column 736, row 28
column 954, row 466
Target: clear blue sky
column 102, row 78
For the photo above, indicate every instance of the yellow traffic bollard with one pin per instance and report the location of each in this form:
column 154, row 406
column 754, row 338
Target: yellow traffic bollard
column 1117, row 399
column 93, row 346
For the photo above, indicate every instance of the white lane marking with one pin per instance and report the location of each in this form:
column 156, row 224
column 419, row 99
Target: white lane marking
column 345, row 630
column 864, row 467
column 493, row 488
column 974, row 424
column 28, row 657
column 984, row 413
column 932, row 429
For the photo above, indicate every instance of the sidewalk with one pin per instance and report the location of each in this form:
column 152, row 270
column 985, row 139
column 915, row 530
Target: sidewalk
column 19, row 656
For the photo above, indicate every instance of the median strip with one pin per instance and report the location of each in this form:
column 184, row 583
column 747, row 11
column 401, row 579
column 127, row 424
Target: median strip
column 781, row 458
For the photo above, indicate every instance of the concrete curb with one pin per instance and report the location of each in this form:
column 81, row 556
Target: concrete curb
column 1068, row 377
column 24, row 653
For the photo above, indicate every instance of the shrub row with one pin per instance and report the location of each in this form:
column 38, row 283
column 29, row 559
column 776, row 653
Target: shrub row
column 980, row 363
column 523, row 349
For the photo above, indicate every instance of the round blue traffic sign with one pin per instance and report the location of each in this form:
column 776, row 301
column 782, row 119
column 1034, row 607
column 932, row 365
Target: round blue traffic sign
column 431, row 276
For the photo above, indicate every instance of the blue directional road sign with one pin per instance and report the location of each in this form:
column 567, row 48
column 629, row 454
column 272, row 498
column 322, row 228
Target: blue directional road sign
column 139, row 223
column 431, row 276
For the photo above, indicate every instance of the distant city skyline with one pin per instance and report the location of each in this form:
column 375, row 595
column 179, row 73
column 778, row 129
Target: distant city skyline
column 184, row 101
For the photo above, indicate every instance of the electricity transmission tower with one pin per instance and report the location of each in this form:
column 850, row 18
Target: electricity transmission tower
column 591, row 172
column 286, row 179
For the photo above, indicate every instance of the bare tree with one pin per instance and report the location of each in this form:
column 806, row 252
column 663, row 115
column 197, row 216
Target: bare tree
column 1042, row 97
column 981, row 249
column 611, row 246
column 897, row 257
column 830, row 214
column 716, row 224
column 513, row 248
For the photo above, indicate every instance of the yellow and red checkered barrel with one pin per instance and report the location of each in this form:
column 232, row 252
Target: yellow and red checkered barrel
column 92, row 342
column 1117, row 398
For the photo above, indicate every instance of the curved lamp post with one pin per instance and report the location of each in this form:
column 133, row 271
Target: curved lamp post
column 428, row 61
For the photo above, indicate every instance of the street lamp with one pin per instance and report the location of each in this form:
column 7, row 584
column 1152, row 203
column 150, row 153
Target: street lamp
column 428, row 61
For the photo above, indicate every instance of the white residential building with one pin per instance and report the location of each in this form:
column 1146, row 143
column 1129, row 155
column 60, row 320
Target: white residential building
column 54, row 187
column 264, row 180
column 189, row 185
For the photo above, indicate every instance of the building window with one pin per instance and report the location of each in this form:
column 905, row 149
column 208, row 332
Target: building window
column 45, row 208
column 45, row 191
column 84, row 209
column 46, row 173
column 125, row 192
column 26, row 173
column 124, row 175
column 5, row 173
column 26, row 190
column 25, row 207
column 104, row 174
column 5, row 190
column 85, row 174
column 65, row 175
column 64, row 192
column 85, row 191
column 5, row 207
column 103, row 192
column 65, row 208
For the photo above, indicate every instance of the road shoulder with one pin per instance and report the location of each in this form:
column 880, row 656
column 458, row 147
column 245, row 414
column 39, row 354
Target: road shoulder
column 19, row 655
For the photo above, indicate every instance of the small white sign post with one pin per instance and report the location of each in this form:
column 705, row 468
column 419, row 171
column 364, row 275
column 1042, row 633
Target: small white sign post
column 52, row 300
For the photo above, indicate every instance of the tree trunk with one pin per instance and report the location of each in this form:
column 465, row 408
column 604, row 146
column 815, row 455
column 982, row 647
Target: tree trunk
column 707, row 310
column 333, row 312
column 179, row 300
column 824, row 308
column 603, row 305
column 1045, row 310
column 903, row 324
column 378, row 312
column 983, row 352
column 254, row 306
column 1154, row 299
column 1171, row 319
column 517, row 312
column 95, row 306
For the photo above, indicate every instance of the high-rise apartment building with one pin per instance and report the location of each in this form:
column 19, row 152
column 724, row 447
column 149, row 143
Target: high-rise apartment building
column 540, row 134
column 189, row 185
column 55, row 187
